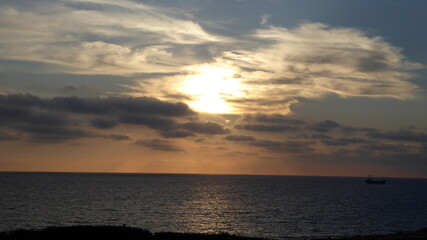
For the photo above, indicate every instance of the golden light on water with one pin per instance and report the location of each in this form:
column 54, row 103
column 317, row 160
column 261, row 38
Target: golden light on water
column 209, row 87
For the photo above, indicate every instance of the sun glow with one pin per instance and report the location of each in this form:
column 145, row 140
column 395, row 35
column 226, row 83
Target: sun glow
column 210, row 86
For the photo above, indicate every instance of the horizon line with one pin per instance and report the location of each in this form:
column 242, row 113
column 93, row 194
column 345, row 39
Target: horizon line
column 212, row 174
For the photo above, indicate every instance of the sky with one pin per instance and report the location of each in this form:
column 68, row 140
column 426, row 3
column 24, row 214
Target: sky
column 292, row 87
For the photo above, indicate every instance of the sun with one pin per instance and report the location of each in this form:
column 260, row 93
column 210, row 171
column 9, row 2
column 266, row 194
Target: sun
column 209, row 87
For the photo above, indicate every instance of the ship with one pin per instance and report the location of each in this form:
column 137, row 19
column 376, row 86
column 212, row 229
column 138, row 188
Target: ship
column 369, row 180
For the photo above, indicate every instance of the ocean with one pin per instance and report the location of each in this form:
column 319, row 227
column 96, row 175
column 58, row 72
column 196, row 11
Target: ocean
column 278, row 207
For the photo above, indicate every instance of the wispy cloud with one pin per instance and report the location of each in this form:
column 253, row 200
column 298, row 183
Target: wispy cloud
column 275, row 67
column 314, row 60
column 264, row 19
column 159, row 145
column 98, row 37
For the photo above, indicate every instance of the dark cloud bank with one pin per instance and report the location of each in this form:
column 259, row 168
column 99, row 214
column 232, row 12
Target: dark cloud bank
column 58, row 119
column 25, row 117
column 331, row 142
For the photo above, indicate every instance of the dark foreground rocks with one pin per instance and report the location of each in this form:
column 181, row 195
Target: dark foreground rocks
column 109, row 233
column 124, row 232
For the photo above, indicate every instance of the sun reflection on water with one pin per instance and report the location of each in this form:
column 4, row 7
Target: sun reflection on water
column 213, row 208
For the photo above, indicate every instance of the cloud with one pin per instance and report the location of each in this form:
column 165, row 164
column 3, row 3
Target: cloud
column 267, row 144
column 130, row 38
column 17, row 115
column 311, row 139
column 129, row 105
column 101, row 57
column 398, row 148
column 237, row 153
column 343, row 141
column 324, row 126
column 273, row 118
column 159, row 144
column 266, row 128
column 318, row 140
column 281, row 147
column 61, row 119
column 99, row 37
column 118, row 137
column 102, row 123
column 315, row 60
column 40, row 134
column 240, row 138
column 351, row 130
column 377, row 162
column 74, row 88
column 58, row 120
column 177, row 134
column 318, row 136
column 254, row 102
column 98, row 106
column 401, row 135
column 20, row 100
column 49, row 134
column 264, row 19
column 210, row 128
column 4, row 136
column 56, row 134
column 154, row 122
column 288, row 146
column 270, row 123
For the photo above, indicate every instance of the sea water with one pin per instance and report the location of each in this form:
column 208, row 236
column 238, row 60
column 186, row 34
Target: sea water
column 278, row 207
